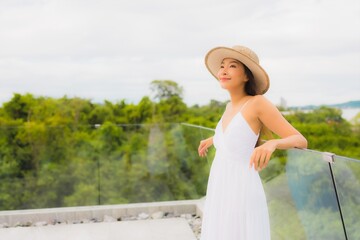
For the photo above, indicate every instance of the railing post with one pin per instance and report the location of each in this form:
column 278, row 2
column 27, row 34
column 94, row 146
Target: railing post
column 329, row 157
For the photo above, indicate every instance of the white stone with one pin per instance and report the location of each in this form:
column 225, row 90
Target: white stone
column 143, row 216
column 186, row 216
column 157, row 215
column 197, row 222
column 40, row 224
column 4, row 225
column 108, row 218
column 128, row 218
column 169, row 215
column 85, row 220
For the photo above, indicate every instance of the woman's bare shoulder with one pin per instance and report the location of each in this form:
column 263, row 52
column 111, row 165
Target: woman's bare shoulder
column 261, row 103
column 260, row 99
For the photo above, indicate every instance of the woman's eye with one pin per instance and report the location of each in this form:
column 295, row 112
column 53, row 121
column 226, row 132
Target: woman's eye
column 233, row 66
column 221, row 66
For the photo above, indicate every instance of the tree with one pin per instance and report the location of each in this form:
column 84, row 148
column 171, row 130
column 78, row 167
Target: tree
column 19, row 106
column 51, row 155
column 165, row 89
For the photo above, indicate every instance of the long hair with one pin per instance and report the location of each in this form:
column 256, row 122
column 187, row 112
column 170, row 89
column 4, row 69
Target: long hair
column 250, row 86
column 250, row 89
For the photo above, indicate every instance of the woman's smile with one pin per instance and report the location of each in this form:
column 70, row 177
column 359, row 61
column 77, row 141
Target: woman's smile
column 224, row 79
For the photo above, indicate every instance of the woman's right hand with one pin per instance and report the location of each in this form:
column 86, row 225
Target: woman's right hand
column 204, row 145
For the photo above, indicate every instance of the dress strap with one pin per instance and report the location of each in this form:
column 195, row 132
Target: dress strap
column 244, row 105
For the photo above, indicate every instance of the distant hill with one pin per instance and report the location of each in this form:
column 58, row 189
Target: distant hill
column 350, row 104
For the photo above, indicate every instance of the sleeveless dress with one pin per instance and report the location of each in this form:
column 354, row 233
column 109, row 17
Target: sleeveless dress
column 235, row 206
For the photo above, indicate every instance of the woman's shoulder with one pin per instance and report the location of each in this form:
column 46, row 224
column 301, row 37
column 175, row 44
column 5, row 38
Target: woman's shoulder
column 260, row 103
column 259, row 99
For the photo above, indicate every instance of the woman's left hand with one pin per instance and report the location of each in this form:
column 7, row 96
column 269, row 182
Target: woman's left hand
column 261, row 155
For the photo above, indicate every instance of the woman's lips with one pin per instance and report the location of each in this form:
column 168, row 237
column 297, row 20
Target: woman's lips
column 224, row 79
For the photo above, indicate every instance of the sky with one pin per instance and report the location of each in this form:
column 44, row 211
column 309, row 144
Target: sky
column 113, row 49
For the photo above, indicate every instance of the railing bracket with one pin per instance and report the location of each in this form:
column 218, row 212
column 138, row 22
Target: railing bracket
column 328, row 157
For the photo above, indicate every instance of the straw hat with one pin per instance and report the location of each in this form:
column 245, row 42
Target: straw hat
column 243, row 54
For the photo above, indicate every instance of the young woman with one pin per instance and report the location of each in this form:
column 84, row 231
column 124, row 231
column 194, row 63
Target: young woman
column 235, row 205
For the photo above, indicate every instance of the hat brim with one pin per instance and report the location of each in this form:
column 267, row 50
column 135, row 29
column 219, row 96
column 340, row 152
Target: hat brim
column 216, row 55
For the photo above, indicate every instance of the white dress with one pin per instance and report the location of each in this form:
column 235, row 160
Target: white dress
column 235, row 205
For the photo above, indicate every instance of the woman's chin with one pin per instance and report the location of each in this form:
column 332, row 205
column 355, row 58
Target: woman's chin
column 224, row 86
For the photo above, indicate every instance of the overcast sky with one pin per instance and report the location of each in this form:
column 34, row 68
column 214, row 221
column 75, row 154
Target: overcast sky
column 113, row 49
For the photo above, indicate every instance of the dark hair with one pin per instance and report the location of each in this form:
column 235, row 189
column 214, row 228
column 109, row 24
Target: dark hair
column 250, row 86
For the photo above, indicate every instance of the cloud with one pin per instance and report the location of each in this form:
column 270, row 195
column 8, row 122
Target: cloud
column 114, row 49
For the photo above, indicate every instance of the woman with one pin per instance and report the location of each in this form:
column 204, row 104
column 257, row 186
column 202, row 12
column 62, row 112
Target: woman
column 235, row 206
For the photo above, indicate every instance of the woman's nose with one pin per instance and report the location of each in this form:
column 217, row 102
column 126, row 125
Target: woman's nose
column 222, row 72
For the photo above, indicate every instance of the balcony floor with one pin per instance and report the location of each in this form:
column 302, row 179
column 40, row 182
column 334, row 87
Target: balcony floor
column 174, row 228
column 160, row 229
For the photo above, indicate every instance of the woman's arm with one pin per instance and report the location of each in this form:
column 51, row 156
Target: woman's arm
column 270, row 117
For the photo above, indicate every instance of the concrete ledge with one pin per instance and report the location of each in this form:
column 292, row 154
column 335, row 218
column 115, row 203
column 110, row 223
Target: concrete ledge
column 13, row 218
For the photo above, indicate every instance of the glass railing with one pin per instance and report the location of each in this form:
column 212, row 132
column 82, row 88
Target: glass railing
column 310, row 194
column 347, row 180
column 47, row 166
column 301, row 198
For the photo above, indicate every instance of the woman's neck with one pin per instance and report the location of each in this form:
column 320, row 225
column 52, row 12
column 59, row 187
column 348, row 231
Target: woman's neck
column 237, row 98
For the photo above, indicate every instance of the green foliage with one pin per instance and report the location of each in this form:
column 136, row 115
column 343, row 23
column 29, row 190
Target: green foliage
column 165, row 89
column 327, row 131
column 19, row 106
column 70, row 152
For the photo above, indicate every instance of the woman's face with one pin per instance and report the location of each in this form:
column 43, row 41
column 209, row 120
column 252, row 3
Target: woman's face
column 231, row 74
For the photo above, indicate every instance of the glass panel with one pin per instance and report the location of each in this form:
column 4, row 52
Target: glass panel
column 347, row 177
column 155, row 163
column 43, row 166
column 59, row 166
column 301, row 199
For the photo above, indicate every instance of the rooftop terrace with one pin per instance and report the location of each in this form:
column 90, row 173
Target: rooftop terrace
column 153, row 188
